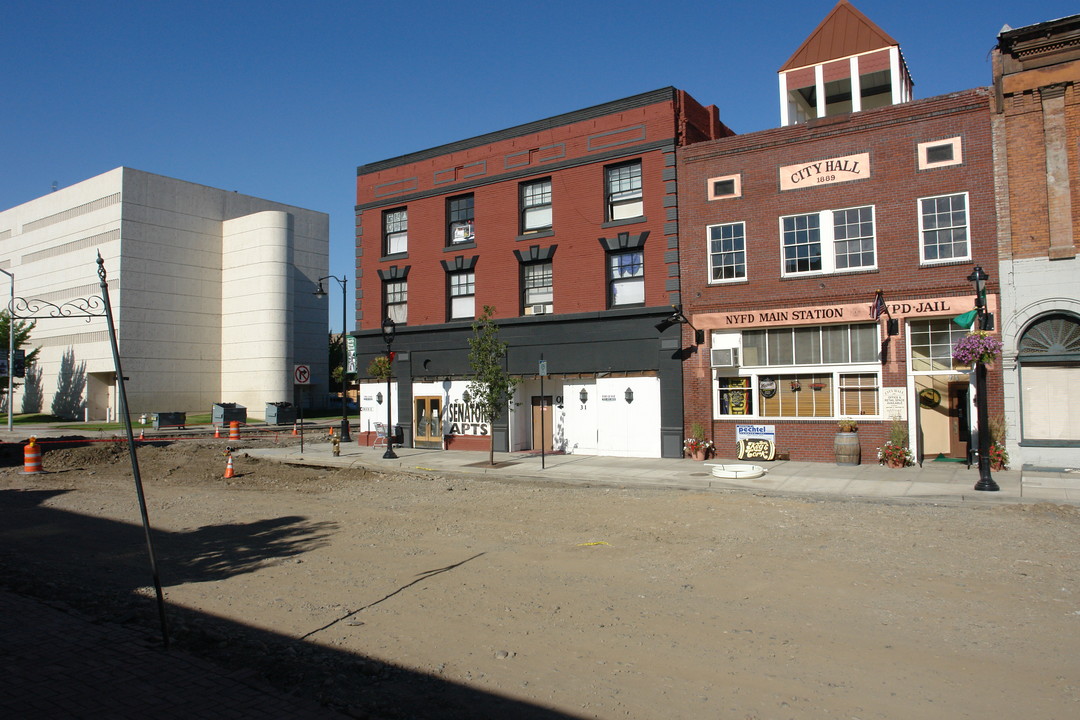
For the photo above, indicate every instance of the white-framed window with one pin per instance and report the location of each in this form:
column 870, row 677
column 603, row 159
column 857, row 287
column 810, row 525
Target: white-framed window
column 626, row 278
column 931, row 345
column 624, row 198
column 940, row 153
column 811, row 345
column 459, row 219
column 727, row 252
column 826, row 371
column 828, row 241
column 943, row 228
column 396, row 297
column 536, row 206
column 859, row 394
column 1049, row 371
column 724, row 187
column 539, row 291
column 734, row 395
column 808, row 393
column 395, row 231
column 462, row 295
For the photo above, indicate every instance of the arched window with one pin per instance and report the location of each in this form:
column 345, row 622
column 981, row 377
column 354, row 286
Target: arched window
column 1049, row 366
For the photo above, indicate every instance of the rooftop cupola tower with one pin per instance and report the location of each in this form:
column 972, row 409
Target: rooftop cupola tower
column 847, row 64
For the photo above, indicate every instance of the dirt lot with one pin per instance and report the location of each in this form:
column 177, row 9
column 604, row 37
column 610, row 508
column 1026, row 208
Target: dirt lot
column 394, row 596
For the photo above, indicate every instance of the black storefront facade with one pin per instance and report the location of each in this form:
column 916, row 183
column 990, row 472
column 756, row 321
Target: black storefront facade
column 613, row 385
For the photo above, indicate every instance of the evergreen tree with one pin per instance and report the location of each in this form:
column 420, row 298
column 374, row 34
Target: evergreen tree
column 491, row 387
column 23, row 329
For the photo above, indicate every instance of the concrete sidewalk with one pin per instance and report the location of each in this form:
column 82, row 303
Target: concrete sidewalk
column 934, row 482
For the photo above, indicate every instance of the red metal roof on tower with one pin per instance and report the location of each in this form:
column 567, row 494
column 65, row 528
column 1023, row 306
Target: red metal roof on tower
column 844, row 32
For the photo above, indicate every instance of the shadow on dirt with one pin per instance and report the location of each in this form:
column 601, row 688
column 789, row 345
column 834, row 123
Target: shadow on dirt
column 100, row 566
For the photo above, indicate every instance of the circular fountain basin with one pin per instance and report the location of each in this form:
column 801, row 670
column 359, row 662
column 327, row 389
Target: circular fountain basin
column 737, row 472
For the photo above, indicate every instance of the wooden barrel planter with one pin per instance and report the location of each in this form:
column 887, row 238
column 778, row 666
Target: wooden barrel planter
column 846, row 447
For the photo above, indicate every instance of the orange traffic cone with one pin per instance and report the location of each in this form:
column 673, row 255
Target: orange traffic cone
column 217, row 431
column 142, row 436
column 229, row 469
column 294, row 429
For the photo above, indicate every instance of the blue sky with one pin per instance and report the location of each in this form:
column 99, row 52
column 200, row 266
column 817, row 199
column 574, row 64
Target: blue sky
column 283, row 100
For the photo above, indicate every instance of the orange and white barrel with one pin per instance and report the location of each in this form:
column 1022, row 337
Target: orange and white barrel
column 32, row 457
column 234, row 430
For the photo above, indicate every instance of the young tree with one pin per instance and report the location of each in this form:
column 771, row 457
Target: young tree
column 22, row 336
column 490, row 388
column 336, row 353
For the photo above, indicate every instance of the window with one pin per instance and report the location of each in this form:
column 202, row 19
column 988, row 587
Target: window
column 539, row 291
column 395, row 231
column 940, row 153
column 932, row 343
column 854, row 237
column 1049, row 359
column 462, row 295
column 799, row 395
column 396, row 298
column 734, row 396
column 943, row 225
column 858, row 394
column 626, row 278
column 459, row 219
column 720, row 188
column 624, row 199
column 727, row 252
column 816, row 345
column 536, row 206
column 828, row 241
column 821, row 372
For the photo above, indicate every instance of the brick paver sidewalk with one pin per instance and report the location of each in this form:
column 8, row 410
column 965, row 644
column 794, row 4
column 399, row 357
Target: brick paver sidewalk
column 56, row 663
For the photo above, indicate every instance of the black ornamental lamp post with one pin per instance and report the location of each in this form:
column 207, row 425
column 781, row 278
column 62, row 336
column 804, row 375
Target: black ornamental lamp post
column 984, row 321
column 321, row 293
column 389, row 328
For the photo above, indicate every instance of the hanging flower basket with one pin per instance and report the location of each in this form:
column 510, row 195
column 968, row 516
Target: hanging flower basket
column 978, row 346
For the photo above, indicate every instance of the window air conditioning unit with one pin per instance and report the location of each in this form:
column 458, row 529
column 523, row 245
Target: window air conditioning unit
column 539, row 309
column 725, row 357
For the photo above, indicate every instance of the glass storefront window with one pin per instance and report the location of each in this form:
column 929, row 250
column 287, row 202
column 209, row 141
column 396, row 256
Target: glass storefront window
column 824, row 345
column 734, row 396
column 932, row 343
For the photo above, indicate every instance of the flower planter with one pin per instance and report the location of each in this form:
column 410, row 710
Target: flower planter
column 846, row 448
column 700, row 454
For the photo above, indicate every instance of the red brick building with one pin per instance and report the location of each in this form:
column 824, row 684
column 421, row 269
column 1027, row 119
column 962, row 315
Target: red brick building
column 788, row 234
column 568, row 228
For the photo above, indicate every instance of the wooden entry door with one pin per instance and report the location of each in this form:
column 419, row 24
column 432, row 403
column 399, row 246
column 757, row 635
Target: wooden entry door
column 428, row 422
column 959, row 420
column 541, row 413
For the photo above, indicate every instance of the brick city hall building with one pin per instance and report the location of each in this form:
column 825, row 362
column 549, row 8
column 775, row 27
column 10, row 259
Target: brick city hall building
column 788, row 235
